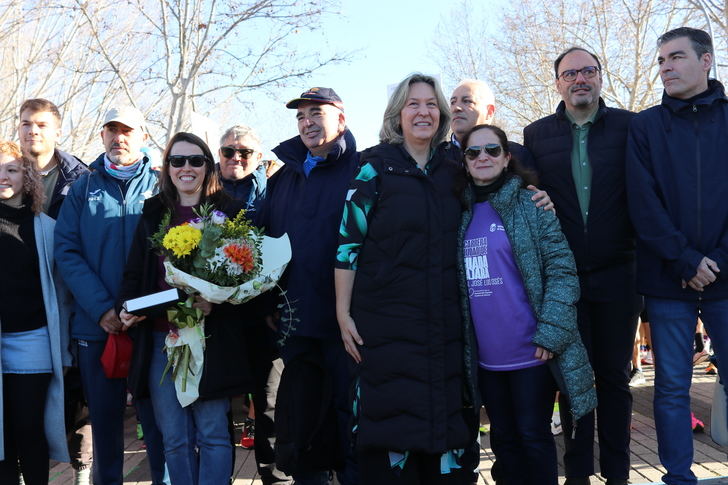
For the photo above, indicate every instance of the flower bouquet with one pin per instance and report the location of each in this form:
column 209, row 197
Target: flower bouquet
column 224, row 261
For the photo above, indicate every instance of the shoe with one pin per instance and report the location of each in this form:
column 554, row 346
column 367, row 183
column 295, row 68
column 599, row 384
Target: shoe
column 696, row 424
column 556, row 428
column 648, row 359
column 82, row 476
column 247, row 440
column 711, row 369
column 636, row 378
column 700, row 357
column 616, row 481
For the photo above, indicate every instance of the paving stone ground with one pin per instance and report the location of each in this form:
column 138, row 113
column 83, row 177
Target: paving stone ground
column 711, row 464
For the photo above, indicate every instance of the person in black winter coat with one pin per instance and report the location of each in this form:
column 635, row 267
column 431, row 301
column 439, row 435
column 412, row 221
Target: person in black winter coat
column 188, row 179
column 397, row 297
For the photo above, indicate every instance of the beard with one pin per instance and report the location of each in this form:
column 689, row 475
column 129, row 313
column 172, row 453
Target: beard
column 123, row 159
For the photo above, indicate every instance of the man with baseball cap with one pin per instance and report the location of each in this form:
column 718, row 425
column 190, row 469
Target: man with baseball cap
column 92, row 239
column 305, row 199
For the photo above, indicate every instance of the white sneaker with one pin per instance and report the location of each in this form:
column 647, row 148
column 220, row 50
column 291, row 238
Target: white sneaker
column 82, row 477
column 556, row 424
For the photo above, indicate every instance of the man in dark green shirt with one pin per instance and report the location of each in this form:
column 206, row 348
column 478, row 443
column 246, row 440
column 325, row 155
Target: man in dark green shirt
column 579, row 154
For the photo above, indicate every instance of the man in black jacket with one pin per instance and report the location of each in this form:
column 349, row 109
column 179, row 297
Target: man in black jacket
column 38, row 130
column 579, row 155
column 677, row 176
column 305, row 199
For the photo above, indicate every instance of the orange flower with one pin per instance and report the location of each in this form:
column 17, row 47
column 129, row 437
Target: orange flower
column 241, row 255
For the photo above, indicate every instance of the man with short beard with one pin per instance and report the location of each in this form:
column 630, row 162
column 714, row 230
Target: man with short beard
column 579, row 154
column 93, row 235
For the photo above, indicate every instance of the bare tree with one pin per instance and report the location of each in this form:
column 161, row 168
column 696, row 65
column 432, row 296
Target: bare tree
column 198, row 53
column 170, row 58
column 531, row 34
column 714, row 13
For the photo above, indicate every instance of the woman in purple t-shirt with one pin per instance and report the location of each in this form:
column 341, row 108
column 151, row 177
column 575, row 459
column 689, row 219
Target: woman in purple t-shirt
column 520, row 286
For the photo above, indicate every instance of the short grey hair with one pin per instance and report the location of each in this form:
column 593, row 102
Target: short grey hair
column 391, row 131
column 240, row 131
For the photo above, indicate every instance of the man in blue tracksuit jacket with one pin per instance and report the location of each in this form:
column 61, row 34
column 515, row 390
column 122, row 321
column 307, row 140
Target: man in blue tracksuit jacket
column 677, row 181
column 93, row 234
column 305, row 199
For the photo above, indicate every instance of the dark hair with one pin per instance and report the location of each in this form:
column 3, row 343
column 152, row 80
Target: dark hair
column 569, row 51
column 701, row 41
column 514, row 166
column 36, row 105
column 212, row 190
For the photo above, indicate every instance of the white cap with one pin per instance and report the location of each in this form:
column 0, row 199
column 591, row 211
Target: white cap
column 126, row 115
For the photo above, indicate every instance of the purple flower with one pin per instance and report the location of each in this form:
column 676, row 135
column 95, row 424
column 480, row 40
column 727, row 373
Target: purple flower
column 196, row 223
column 218, row 217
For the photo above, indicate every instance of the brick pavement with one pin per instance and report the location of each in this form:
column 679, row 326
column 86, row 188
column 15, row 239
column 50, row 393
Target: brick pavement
column 710, row 459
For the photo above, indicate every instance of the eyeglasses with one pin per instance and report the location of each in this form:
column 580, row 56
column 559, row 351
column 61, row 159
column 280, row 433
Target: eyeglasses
column 492, row 149
column 570, row 75
column 229, row 152
column 179, row 161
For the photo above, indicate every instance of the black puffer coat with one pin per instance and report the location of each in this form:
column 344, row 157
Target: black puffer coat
column 406, row 308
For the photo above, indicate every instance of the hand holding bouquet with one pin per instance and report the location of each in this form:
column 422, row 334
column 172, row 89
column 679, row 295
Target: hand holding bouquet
column 222, row 260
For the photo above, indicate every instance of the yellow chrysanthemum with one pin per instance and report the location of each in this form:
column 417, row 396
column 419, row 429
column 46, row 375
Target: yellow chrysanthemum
column 181, row 240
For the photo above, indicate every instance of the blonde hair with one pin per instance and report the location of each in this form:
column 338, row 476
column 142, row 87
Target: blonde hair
column 33, row 192
column 391, row 131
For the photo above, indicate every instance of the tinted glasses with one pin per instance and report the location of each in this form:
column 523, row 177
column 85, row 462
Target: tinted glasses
column 179, row 161
column 229, row 152
column 492, row 149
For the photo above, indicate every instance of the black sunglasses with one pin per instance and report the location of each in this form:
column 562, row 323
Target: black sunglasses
column 178, row 161
column 229, row 152
column 492, row 149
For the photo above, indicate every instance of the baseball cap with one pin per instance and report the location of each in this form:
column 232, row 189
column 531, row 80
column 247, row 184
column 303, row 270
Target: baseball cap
column 126, row 115
column 317, row 95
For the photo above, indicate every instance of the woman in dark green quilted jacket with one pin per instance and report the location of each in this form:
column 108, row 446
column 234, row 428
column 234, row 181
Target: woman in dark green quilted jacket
column 519, row 289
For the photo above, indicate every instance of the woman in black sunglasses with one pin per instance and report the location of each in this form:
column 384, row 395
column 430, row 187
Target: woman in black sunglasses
column 197, row 442
column 519, row 289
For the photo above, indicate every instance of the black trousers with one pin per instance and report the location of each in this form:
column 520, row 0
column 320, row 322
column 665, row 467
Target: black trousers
column 607, row 330
column 519, row 405
column 420, row 469
column 78, row 423
column 24, row 399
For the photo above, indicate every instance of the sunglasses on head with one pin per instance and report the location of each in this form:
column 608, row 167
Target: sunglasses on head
column 229, row 152
column 179, row 161
column 492, row 149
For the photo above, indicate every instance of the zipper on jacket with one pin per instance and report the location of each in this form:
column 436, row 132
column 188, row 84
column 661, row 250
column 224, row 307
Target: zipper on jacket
column 123, row 199
column 698, row 175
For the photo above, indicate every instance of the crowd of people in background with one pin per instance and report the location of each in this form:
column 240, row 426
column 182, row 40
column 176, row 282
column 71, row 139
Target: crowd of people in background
column 445, row 269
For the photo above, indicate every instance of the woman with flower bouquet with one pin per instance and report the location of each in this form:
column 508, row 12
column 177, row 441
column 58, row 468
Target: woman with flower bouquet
column 182, row 223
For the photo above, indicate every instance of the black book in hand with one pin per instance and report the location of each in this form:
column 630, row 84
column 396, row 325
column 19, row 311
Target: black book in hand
column 153, row 305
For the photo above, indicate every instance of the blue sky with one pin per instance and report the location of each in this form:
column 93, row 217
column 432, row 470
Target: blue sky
column 392, row 39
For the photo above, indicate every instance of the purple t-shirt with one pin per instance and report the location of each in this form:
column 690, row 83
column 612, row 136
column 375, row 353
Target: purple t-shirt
column 502, row 315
